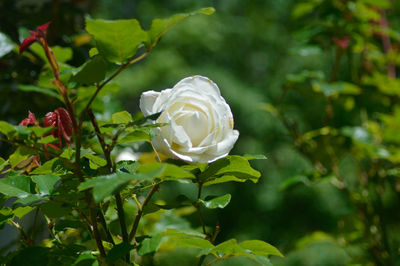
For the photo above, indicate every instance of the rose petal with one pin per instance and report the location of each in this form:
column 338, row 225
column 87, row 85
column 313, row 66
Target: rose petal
column 200, row 83
column 147, row 100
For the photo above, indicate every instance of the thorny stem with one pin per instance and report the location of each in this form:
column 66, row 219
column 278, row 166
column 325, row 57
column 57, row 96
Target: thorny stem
column 198, row 209
column 77, row 136
column 107, row 153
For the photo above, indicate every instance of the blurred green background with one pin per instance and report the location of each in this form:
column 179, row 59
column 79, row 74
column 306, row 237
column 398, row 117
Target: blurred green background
column 312, row 85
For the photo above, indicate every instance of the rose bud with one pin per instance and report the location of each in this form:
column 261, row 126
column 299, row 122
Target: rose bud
column 62, row 121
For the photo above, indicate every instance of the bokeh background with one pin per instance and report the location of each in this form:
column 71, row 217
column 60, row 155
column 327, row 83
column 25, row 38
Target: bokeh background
column 312, row 85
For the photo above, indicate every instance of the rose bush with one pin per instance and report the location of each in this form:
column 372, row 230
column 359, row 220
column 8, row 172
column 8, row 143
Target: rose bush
column 199, row 121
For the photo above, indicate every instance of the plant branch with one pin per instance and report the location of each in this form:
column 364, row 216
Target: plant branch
column 107, row 154
column 139, row 214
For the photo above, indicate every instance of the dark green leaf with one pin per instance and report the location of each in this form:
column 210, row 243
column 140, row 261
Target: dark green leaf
column 107, row 185
column 30, row 200
column 119, row 251
column 116, row 40
column 91, row 72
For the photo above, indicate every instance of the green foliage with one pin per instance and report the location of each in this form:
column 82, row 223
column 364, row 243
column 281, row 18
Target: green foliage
column 117, row 41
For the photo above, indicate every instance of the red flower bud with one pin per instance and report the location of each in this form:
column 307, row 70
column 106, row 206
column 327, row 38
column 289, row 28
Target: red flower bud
column 63, row 123
column 30, row 120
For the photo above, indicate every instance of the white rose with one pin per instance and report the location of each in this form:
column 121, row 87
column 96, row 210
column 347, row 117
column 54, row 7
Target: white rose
column 200, row 122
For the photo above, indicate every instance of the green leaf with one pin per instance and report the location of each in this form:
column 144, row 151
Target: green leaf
column 15, row 186
column 48, row 92
column 22, row 211
column 137, row 135
column 45, row 183
column 55, row 166
column 3, row 163
column 236, row 166
column 6, row 128
column 227, row 248
column 62, row 54
column 48, row 139
column 6, row 45
column 127, row 166
column 119, row 251
column 21, row 156
column 149, row 245
column 91, row 72
column 5, row 215
column 165, row 171
column 216, row 202
column 55, row 210
column 30, row 200
column 116, row 40
column 107, row 185
column 85, row 258
column 224, row 179
column 95, row 162
column 93, row 52
column 41, row 131
column 260, row 248
column 160, row 26
column 194, row 242
column 254, row 157
column 121, row 117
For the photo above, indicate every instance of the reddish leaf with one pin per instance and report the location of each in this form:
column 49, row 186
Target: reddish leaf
column 30, row 120
column 26, row 43
column 43, row 28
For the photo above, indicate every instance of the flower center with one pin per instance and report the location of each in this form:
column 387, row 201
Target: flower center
column 195, row 125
